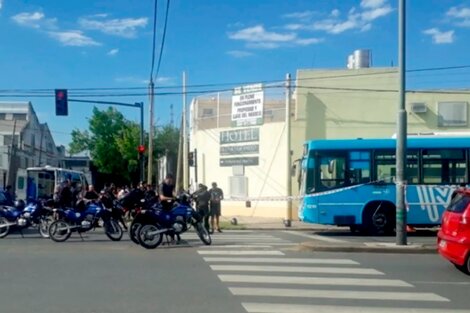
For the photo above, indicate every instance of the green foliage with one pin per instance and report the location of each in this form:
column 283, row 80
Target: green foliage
column 111, row 141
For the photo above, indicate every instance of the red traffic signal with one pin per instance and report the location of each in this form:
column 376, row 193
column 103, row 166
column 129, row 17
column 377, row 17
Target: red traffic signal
column 141, row 148
column 61, row 102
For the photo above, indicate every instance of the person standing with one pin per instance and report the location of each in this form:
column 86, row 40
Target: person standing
column 202, row 204
column 217, row 195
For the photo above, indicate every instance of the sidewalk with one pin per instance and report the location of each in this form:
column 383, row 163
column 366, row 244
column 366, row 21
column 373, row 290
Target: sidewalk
column 328, row 238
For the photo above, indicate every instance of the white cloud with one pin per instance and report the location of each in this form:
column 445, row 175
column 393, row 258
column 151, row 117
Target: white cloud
column 258, row 33
column 299, row 15
column 439, row 37
column 461, row 15
column 356, row 18
column 113, row 52
column 139, row 80
column 126, row 27
column 372, row 4
column 257, row 37
column 34, row 20
column 308, row 41
column 294, row 26
column 165, row 79
column 1, row 4
column 239, row 53
column 335, row 13
column 74, row 38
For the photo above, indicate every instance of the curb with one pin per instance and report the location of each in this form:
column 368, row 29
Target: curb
column 423, row 249
column 278, row 228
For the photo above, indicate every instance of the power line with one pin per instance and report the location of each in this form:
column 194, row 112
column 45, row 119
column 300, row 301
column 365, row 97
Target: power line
column 163, row 39
column 154, row 37
column 45, row 90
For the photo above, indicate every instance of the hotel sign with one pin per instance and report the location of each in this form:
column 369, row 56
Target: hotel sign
column 239, row 135
column 234, row 150
column 245, row 161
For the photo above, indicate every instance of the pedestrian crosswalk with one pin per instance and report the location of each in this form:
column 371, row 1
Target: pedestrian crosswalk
column 266, row 280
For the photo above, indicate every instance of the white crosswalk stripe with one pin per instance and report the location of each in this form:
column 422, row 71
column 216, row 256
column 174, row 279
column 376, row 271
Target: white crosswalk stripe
column 253, row 267
column 299, row 308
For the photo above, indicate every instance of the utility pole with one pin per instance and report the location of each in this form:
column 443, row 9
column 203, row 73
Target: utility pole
column 142, row 158
column 401, row 129
column 150, row 145
column 288, row 221
column 185, row 139
column 12, row 159
column 40, row 144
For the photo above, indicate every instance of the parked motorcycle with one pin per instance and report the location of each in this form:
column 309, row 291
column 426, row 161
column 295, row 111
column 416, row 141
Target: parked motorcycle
column 173, row 222
column 71, row 220
column 35, row 214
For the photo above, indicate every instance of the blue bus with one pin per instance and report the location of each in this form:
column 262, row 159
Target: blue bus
column 351, row 182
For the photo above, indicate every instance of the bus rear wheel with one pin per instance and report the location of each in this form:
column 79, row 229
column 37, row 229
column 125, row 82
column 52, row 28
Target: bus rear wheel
column 379, row 218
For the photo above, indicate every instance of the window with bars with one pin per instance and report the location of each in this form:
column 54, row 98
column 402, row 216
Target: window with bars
column 452, row 114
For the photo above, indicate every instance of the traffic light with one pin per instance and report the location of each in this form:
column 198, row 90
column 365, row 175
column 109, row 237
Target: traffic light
column 61, row 104
column 191, row 158
column 141, row 149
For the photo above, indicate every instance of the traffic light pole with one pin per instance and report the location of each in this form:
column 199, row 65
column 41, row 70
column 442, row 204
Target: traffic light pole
column 139, row 105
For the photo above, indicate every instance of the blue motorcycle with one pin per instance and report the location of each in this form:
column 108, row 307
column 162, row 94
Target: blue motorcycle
column 71, row 220
column 19, row 217
column 172, row 222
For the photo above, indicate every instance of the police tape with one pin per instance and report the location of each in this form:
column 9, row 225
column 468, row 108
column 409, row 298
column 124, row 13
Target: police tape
column 293, row 198
column 329, row 192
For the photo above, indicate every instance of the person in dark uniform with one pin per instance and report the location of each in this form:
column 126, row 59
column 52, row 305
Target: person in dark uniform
column 217, row 195
column 202, row 203
column 166, row 192
column 66, row 196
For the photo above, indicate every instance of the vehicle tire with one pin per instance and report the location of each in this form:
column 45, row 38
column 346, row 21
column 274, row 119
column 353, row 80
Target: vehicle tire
column 43, row 226
column 134, row 230
column 203, row 234
column 4, row 228
column 149, row 241
column 465, row 268
column 379, row 219
column 59, row 231
column 113, row 230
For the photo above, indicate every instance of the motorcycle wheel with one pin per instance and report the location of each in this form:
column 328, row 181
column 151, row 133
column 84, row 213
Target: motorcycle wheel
column 4, row 228
column 43, row 226
column 113, row 230
column 59, row 231
column 149, row 241
column 203, row 234
column 134, row 230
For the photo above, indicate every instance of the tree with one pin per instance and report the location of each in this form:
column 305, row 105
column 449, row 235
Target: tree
column 166, row 143
column 112, row 141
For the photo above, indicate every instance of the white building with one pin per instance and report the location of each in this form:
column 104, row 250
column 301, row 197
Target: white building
column 24, row 141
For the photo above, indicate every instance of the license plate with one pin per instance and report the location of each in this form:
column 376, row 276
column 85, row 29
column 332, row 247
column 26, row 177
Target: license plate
column 443, row 244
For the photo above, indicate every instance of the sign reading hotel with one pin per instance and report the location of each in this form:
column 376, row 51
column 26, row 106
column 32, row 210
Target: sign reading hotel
column 247, row 105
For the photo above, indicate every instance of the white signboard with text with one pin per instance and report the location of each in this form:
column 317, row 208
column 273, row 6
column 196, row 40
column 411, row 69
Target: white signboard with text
column 247, row 105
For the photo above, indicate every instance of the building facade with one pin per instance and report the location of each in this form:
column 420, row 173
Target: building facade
column 249, row 162
column 24, row 141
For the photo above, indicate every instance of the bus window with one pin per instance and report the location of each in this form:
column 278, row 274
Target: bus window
column 385, row 165
column 412, row 169
column 332, row 171
column 444, row 166
column 359, row 167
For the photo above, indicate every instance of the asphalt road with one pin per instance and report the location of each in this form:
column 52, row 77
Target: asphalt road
column 242, row 271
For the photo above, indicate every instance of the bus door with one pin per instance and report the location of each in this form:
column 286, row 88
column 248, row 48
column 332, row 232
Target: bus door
column 330, row 176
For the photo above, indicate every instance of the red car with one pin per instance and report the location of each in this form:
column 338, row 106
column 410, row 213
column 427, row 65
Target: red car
column 454, row 237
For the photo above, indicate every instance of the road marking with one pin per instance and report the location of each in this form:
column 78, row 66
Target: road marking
column 300, row 308
column 246, row 252
column 457, row 283
column 239, row 246
column 313, row 280
column 282, row 260
column 315, row 237
column 297, row 269
column 337, row 294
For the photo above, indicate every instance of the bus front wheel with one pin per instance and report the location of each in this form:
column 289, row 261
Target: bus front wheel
column 379, row 218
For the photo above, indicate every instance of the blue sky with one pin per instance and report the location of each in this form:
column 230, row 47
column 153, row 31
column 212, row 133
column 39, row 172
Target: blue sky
column 100, row 43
